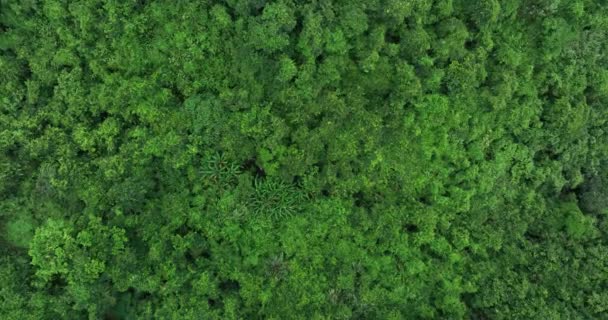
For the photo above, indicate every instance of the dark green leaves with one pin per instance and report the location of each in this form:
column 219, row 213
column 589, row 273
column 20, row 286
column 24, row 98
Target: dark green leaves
column 218, row 171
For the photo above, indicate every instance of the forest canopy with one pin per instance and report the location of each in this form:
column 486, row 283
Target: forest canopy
column 318, row 159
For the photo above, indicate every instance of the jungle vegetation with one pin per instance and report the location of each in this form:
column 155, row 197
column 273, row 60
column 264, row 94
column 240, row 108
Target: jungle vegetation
column 318, row 159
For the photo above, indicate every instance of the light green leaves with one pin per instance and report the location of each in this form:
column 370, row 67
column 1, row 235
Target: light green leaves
column 274, row 198
column 52, row 249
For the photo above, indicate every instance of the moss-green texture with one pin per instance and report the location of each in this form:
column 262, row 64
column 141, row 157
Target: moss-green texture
column 318, row 159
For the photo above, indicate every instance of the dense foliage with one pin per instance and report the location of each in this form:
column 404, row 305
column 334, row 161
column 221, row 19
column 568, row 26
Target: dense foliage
column 253, row 159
